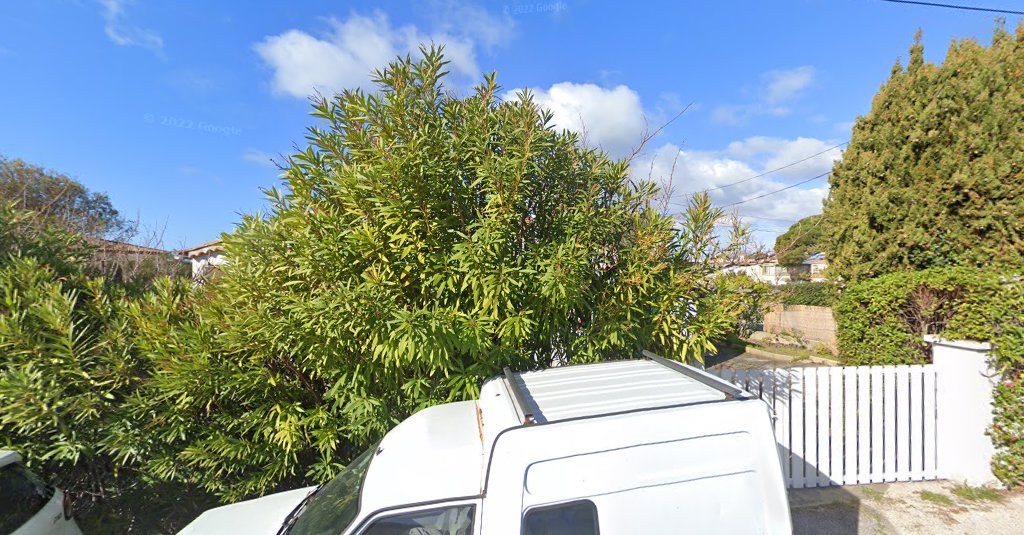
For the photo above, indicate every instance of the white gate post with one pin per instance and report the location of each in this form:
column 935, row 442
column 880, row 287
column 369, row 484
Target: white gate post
column 963, row 405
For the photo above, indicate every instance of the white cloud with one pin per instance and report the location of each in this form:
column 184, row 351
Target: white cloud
column 472, row 21
column 351, row 49
column 787, row 84
column 777, row 89
column 817, row 155
column 738, row 164
column 612, row 119
column 259, row 157
column 123, row 33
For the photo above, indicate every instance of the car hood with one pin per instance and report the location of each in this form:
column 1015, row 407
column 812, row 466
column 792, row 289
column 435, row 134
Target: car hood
column 260, row 516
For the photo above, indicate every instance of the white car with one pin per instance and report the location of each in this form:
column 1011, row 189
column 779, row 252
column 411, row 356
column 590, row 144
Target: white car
column 28, row 506
column 620, row 448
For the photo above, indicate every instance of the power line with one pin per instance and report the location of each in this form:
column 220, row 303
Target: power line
column 770, row 171
column 957, row 6
column 778, row 190
column 771, row 218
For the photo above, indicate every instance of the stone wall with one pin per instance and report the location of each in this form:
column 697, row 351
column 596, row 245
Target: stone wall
column 811, row 323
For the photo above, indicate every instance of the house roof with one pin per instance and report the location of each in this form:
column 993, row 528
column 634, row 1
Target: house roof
column 762, row 261
column 203, row 248
column 816, row 258
column 110, row 246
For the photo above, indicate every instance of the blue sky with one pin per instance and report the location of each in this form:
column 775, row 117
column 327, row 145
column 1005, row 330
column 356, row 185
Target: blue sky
column 174, row 108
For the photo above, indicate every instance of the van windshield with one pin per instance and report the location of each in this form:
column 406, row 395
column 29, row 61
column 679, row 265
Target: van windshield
column 332, row 508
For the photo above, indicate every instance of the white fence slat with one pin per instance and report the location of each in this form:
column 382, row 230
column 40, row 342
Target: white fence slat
column 889, row 430
column 916, row 468
column 824, row 408
column 835, row 454
column 850, row 426
column 908, row 414
column 810, row 427
column 796, row 411
column 782, row 421
column 756, row 382
column 929, row 423
column 863, row 425
column 877, row 425
column 768, row 388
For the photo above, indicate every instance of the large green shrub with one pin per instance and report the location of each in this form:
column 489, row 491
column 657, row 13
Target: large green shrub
column 816, row 294
column 934, row 173
column 64, row 351
column 883, row 320
column 68, row 365
column 423, row 242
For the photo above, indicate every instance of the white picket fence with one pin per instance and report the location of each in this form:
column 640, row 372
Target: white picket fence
column 850, row 425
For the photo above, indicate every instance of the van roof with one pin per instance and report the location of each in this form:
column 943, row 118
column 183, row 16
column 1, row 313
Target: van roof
column 443, row 451
column 590, row 390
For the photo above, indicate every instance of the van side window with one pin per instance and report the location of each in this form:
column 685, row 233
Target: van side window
column 449, row 521
column 573, row 518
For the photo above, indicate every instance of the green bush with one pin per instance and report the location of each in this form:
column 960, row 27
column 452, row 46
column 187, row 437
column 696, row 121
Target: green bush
column 68, row 365
column 1007, row 322
column 883, row 320
column 748, row 300
column 816, row 294
column 423, row 242
column 1007, row 430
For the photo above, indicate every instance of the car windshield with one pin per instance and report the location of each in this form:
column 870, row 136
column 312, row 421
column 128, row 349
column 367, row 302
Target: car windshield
column 335, row 505
column 22, row 495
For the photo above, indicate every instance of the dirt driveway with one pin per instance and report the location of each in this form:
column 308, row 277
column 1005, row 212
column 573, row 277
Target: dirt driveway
column 913, row 508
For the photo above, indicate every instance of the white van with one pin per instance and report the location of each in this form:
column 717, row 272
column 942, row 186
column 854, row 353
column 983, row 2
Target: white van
column 28, row 506
column 619, row 448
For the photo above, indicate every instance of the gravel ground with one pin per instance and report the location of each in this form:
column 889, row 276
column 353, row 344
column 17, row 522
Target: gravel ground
column 753, row 358
column 912, row 508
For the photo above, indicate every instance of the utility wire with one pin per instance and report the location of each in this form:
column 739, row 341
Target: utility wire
column 771, row 219
column 770, row 171
column 956, row 6
column 778, row 190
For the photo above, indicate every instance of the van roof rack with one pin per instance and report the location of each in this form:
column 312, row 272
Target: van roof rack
column 730, row 391
column 518, row 397
column 589, row 390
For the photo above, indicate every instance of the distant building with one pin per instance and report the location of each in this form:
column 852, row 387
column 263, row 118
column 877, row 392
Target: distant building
column 768, row 270
column 206, row 259
column 126, row 261
column 109, row 250
column 818, row 263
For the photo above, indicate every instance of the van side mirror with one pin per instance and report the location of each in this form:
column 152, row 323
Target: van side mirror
column 66, row 503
